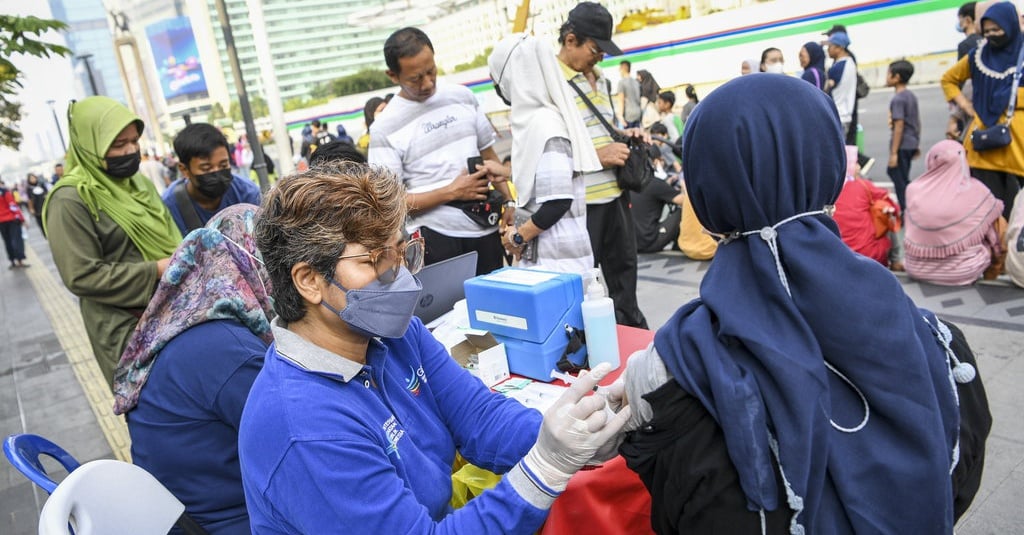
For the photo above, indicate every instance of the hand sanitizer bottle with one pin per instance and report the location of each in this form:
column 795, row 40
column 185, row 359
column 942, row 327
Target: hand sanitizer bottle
column 599, row 325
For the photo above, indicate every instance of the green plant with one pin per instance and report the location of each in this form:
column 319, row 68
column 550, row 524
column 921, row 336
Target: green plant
column 18, row 35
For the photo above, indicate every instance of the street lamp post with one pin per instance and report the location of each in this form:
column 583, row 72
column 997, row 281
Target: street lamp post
column 88, row 69
column 60, row 133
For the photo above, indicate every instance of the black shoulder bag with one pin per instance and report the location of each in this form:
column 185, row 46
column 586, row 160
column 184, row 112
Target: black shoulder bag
column 998, row 136
column 637, row 171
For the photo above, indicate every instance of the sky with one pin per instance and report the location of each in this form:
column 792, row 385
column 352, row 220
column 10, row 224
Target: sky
column 43, row 79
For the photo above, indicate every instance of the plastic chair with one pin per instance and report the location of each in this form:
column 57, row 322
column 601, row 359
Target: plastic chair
column 23, row 452
column 105, row 496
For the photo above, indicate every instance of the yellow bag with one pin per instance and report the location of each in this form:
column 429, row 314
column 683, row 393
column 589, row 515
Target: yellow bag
column 469, row 482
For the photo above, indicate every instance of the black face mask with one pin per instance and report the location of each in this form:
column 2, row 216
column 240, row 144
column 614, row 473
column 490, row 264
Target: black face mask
column 998, row 41
column 213, row 184
column 123, row 166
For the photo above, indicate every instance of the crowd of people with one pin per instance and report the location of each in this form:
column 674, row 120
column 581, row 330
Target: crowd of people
column 263, row 349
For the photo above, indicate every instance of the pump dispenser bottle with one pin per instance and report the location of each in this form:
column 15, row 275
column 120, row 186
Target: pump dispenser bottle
column 599, row 324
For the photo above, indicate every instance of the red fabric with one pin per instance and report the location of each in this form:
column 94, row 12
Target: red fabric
column 856, row 226
column 609, row 499
column 9, row 210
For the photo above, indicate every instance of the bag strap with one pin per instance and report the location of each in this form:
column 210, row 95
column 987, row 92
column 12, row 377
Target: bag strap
column 817, row 78
column 1016, row 84
column 611, row 130
column 188, row 212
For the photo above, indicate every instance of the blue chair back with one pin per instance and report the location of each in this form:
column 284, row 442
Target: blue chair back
column 23, row 452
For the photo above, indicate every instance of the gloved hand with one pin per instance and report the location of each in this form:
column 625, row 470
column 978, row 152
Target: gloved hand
column 615, row 393
column 615, row 399
column 573, row 430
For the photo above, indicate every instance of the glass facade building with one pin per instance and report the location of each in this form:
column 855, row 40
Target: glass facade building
column 311, row 42
column 89, row 33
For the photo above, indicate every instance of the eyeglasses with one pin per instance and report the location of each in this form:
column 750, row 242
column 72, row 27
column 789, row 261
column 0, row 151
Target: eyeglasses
column 388, row 261
column 595, row 51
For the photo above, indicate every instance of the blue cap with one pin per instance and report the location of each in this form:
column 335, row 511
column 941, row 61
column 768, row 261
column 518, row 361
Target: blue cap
column 839, row 39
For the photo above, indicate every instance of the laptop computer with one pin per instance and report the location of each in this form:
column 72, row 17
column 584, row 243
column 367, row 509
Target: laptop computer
column 442, row 285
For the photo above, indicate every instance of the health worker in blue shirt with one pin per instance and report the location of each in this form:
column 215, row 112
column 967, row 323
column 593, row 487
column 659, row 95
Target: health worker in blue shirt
column 206, row 185
column 353, row 423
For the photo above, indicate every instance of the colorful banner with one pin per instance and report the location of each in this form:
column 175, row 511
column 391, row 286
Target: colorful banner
column 176, row 57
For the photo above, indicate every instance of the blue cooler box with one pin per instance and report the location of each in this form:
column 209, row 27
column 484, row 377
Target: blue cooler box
column 527, row 310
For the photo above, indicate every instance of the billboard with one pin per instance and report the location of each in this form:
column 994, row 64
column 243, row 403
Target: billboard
column 176, row 57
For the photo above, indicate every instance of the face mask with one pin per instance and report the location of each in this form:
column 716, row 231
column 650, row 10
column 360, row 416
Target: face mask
column 213, row 185
column 378, row 309
column 123, row 166
column 775, row 68
column 959, row 28
column 998, row 41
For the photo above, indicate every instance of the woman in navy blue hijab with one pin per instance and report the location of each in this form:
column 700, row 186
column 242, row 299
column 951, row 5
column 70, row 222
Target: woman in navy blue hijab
column 834, row 393
column 812, row 59
column 991, row 67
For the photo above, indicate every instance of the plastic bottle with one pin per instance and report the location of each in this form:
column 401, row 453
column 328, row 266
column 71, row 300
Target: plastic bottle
column 599, row 325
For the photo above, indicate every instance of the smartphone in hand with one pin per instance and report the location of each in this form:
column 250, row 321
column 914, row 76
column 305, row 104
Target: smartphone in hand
column 471, row 164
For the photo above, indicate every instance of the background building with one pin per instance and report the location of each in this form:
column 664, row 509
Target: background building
column 89, row 33
column 311, row 42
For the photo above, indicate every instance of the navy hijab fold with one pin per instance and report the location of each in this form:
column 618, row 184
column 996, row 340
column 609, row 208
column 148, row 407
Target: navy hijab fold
column 816, row 57
column 755, row 356
column 992, row 95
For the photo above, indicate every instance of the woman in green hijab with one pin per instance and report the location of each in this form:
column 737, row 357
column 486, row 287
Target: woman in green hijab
column 110, row 234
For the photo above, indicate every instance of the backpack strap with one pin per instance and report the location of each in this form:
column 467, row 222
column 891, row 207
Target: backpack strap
column 188, row 212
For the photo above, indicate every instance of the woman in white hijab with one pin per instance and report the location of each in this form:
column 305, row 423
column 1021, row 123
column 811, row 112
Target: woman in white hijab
column 551, row 150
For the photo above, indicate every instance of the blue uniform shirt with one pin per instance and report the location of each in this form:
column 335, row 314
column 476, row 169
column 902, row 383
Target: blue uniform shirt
column 242, row 190
column 332, row 446
column 184, row 430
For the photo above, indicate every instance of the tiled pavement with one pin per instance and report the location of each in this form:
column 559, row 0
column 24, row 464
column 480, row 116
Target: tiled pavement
column 42, row 392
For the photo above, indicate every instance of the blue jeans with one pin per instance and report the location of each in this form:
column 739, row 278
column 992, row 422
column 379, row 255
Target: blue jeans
column 900, row 175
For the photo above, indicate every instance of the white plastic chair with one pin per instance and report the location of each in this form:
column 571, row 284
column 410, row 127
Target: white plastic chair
column 110, row 497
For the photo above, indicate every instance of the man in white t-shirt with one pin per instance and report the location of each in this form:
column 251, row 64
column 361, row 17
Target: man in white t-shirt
column 842, row 78
column 425, row 136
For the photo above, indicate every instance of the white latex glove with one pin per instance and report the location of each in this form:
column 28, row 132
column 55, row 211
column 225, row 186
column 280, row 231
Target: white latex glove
column 615, row 399
column 573, row 430
column 615, row 393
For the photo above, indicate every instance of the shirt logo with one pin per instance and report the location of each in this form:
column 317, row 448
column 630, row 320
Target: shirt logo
column 393, row 434
column 412, row 384
column 429, row 127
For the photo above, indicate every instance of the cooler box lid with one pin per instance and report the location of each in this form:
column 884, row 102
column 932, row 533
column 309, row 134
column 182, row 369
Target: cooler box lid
column 524, row 304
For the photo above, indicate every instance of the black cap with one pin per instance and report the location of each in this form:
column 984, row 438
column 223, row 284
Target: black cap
column 592, row 20
column 835, row 28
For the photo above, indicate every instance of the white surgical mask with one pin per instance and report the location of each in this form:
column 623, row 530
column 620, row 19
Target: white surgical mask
column 775, row 68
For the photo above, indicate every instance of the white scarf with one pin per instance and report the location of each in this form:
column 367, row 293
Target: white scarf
column 543, row 107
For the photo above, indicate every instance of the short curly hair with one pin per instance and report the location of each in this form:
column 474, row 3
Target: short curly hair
column 311, row 216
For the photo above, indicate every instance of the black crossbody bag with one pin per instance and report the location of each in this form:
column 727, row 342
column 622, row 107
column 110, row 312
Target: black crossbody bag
column 998, row 136
column 637, row 171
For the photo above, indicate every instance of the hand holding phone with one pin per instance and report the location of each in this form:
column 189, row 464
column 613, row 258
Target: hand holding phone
column 471, row 164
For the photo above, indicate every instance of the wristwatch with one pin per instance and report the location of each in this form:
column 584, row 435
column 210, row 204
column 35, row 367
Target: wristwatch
column 510, row 204
column 518, row 240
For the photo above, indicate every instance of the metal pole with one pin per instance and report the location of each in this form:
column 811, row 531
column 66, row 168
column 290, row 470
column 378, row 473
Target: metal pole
column 60, row 133
column 258, row 164
column 270, row 88
column 88, row 69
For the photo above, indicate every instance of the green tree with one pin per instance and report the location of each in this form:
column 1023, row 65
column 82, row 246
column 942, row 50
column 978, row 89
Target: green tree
column 19, row 35
column 360, row 82
column 479, row 61
column 216, row 112
column 257, row 105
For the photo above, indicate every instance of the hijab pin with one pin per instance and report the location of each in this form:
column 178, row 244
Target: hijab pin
column 829, row 210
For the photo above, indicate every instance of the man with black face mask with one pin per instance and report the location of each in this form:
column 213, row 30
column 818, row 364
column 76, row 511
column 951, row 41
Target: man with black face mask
column 206, row 185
